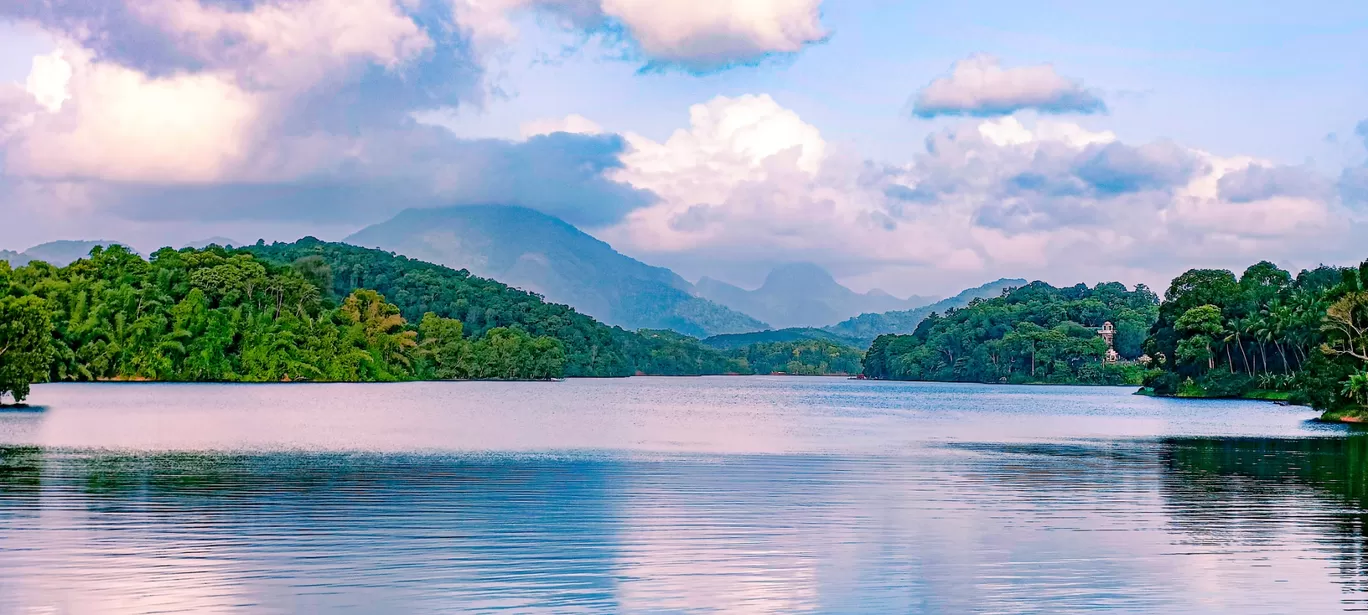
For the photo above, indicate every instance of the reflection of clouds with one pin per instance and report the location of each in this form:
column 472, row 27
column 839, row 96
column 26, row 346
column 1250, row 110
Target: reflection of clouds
column 828, row 496
column 723, row 537
column 727, row 415
column 21, row 426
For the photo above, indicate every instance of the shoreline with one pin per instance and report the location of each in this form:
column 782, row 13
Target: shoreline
column 1281, row 397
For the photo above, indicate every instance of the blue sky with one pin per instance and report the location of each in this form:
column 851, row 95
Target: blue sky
column 762, row 132
column 1232, row 77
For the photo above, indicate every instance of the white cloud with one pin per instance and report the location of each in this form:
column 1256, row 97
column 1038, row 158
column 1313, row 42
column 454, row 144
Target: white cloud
column 119, row 124
column 980, row 86
column 573, row 124
column 716, row 32
column 697, row 34
column 48, row 80
column 112, row 121
column 749, row 179
column 290, row 44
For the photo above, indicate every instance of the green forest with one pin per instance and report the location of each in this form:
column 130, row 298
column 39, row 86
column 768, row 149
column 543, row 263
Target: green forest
column 1265, row 334
column 1033, row 334
column 324, row 312
column 218, row 316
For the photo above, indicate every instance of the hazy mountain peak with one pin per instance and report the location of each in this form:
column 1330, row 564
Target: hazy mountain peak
column 799, row 273
column 216, row 240
column 802, row 294
column 543, row 254
column 60, row 253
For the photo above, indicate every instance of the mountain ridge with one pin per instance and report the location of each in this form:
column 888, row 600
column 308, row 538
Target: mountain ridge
column 548, row 256
column 803, row 295
column 58, row 253
column 866, row 327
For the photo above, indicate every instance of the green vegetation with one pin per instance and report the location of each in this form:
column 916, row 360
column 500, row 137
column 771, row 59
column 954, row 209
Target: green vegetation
column 1033, row 334
column 324, row 312
column 1266, row 335
column 416, row 288
column 214, row 315
column 25, row 331
column 741, row 340
column 800, row 358
column 864, row 328
column 529, row 249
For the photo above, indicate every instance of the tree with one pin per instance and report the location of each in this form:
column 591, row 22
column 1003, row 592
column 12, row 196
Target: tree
column 1199, row 326
column 442, row 346
column 1346, row 323
column 25, row 344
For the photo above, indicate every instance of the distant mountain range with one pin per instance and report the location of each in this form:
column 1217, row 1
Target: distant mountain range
column 542, row 254
column 859, row 331
column 865, row 327
column 58, row 253
column 803, row 295
column 216, row 240
column 545, row 255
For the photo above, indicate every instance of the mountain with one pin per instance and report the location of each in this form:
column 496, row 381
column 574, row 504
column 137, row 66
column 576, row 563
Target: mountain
column 802, row 295
column 545, row 255
column 59, row 253
column 216, row 240
column 866, row 327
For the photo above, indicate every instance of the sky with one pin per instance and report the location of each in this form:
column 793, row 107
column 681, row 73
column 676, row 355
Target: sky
column 915, row 147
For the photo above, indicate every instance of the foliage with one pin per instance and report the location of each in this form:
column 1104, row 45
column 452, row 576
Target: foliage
column 416, row 288
column 25, row 331
column 1265, row 330
column 662, row 353
column 803, row 358
column 1036, row 333
column 794, row 334
column 863, row 329
column 217, row 315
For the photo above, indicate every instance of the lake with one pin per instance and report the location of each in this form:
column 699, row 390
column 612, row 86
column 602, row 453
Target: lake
column 674, row 495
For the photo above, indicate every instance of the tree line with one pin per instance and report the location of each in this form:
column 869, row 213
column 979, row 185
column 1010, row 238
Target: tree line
column 1036, row 333
column 1265, row 333
column 322, row 312
column 219, row 316
column 1219, row 335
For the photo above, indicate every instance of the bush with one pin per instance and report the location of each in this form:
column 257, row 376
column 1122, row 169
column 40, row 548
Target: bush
column 1217, row 383
column 1163, row 383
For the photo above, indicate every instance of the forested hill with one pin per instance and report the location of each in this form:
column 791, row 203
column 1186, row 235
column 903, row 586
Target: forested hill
column 531, row 250
column 1036, row 333
column 417, row 287
column 590, row 347
column 226, row 316
column 1266, row 332
column 865, row 327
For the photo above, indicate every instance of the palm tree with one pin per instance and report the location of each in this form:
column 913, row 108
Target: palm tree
column 1237, row 327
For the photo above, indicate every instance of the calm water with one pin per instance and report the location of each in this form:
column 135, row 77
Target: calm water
column 750, row 495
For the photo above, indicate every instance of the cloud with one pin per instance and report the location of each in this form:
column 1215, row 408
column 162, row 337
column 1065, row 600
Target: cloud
column 573, row 124
column 1353, row 186
column 1258, row 182
column 178, row 112
column 697, row 35
column 979, row 86
column 748, row 183
column 1116, row 168
column 1353, row 181
column 707, row 34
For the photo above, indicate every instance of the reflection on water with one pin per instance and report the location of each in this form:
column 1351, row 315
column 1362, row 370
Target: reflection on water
column 896, row 509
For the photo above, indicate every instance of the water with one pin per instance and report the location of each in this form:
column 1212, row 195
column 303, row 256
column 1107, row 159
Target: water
column 750, row 495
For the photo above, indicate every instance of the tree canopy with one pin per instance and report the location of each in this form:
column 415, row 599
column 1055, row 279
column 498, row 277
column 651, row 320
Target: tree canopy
column 1221, row 336
column 1035, row 333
